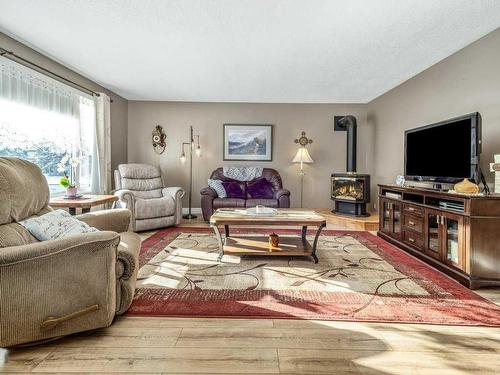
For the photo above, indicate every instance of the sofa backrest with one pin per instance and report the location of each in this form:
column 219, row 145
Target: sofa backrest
column 269, row 174
column 24, row 191
column 143, row 179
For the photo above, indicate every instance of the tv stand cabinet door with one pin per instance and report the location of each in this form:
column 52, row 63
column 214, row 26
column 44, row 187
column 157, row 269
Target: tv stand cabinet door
column 433, row 243
column 385, row 216
column 454, row 241
column 391, row 221
column 397, row 220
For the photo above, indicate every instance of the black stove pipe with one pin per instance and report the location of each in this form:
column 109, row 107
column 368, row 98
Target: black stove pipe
column 350, row 124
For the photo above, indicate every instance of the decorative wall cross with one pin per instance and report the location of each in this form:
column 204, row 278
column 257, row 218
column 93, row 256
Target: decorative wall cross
column 303, row 140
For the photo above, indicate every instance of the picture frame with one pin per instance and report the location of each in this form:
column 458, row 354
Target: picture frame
column 247, row 142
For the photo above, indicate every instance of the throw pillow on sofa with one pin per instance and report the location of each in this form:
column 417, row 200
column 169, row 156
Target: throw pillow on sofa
column 233, row 190
column 55, row 225
column 218, row 187
column 260, row 188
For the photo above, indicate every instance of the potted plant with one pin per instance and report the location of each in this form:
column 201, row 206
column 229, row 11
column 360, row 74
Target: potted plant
column 69, row 182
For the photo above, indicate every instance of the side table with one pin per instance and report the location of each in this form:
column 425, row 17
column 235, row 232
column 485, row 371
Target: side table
column 85, row 202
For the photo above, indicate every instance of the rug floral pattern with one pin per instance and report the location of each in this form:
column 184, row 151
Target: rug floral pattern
column 359, row 277
column 190, row 262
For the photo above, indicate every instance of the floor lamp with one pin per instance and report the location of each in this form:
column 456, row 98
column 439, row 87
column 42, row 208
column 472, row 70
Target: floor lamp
column 183, row 160
column 302, row 156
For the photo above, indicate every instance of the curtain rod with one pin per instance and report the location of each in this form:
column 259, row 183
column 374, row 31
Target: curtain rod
column 12, row 56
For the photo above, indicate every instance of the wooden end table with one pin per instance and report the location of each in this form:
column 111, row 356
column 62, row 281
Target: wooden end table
column 258, row 245
column 85, row 202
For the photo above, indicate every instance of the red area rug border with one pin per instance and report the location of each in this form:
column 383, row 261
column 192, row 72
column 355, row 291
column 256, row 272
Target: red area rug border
column 440, row 307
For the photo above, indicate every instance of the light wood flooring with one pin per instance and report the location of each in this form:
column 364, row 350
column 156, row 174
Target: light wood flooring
column 265, row 346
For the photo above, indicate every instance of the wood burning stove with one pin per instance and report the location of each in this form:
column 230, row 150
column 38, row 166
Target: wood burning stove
column 350, row 191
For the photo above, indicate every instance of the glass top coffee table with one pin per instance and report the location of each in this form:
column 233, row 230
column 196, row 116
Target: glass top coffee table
column 258, row 244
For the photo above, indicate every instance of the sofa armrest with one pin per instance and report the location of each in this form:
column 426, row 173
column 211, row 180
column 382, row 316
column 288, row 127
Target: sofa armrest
column 57, row 287
column 207, row 200
column 282, row 192
column 283, row 197
column 117, row 220
column 208, row 191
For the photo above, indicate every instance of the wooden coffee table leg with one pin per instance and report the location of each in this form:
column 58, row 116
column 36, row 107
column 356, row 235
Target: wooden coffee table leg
column 72, row 211
column 219, row 241
column 315, row 243
column 226, row 230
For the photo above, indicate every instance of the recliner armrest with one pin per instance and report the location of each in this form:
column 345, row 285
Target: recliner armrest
column 36, row 250
column 126, row 196
column 176, row 192
column 117, row 220
column 208, row 191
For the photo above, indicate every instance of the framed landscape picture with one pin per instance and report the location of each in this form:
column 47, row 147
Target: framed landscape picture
column 248, row 142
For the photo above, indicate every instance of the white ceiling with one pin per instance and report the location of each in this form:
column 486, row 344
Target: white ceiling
column 262, row 51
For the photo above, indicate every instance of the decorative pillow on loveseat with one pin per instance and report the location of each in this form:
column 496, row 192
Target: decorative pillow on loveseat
column 260, row 188
column 55, row 225
column 233, row 189
column 218, row 187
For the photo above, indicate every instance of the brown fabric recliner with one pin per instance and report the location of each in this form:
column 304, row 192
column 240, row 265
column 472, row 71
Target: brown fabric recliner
column 210, row 202
column 57, row 287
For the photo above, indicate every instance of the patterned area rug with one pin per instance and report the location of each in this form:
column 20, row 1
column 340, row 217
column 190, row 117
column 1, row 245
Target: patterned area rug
column 359, row 277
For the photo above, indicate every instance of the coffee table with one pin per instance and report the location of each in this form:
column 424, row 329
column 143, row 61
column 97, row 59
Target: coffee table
column 258, row 244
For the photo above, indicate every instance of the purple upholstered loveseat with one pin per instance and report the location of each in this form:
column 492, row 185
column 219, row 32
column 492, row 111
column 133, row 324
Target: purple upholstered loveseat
column 210, row 202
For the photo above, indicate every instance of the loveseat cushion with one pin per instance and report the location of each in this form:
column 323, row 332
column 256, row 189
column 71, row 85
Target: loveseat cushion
column 262, row 202
column 152, row 208
column 218, row 187
column 234, row 190
column 228, row 203
column 260, row 188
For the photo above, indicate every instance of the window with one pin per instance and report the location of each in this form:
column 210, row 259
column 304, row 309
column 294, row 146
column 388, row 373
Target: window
column 45, row 129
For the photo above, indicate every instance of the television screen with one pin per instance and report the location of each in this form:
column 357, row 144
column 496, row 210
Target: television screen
column 445, row 152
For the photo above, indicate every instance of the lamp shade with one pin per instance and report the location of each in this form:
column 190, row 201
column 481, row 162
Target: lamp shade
column 302, row 156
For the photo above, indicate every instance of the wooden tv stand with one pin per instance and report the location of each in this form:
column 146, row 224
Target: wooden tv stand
column 456, row 233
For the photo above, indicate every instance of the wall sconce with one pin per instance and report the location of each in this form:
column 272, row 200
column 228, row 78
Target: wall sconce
column 158, row 139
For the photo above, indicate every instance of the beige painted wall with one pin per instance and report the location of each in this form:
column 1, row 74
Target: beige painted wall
column 465, row 82
column 118, row 107
column 327, row 150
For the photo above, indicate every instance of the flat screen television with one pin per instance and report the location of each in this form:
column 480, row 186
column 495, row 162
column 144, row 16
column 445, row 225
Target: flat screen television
column 444, row 152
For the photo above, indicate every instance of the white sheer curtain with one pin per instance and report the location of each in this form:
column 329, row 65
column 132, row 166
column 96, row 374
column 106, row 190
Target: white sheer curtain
column 42, row 119
column 29, row 87
column 101, row 167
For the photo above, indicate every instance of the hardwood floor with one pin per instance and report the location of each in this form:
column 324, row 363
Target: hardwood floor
column 265, row 346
